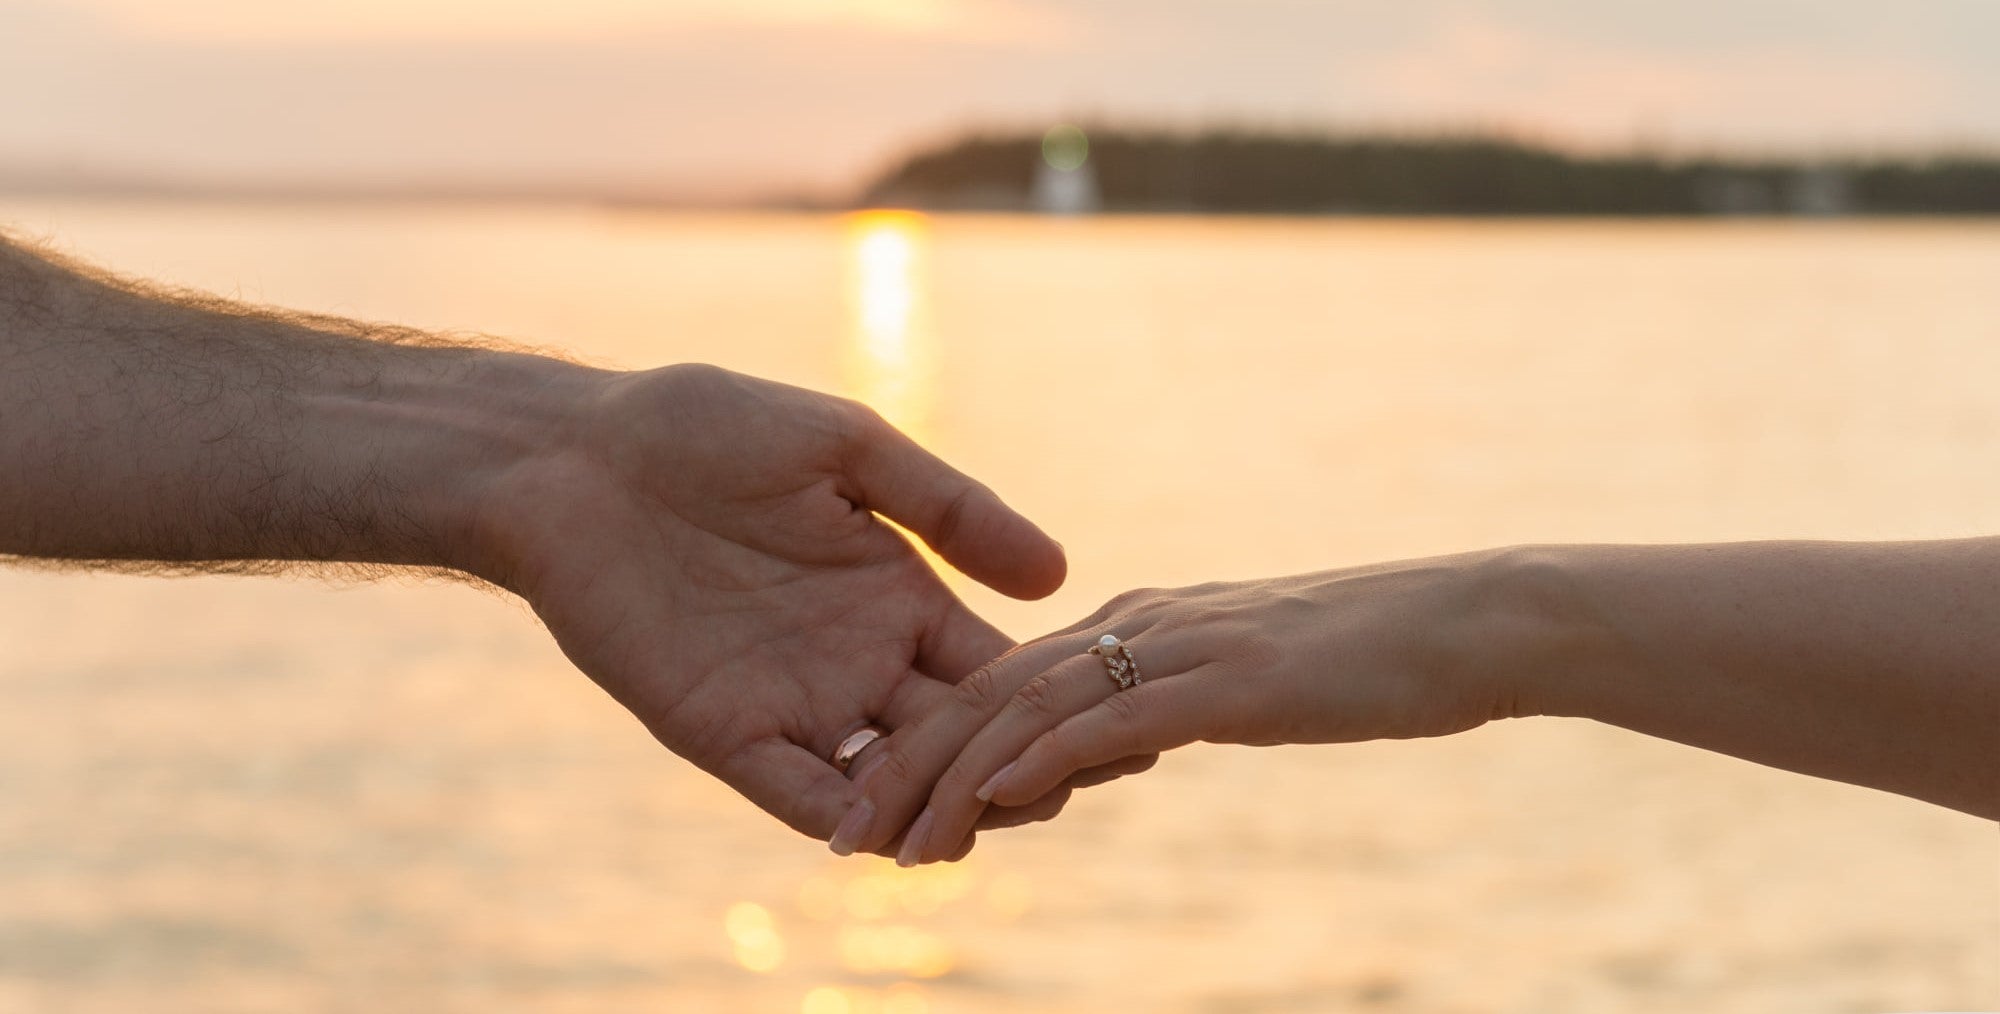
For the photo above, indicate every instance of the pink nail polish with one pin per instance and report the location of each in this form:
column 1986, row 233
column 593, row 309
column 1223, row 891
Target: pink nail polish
column 913, row 843
column 853, row 828
column 985, row 792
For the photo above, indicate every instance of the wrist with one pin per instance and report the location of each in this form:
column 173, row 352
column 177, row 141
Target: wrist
column 428, row 439
column 1539, row 636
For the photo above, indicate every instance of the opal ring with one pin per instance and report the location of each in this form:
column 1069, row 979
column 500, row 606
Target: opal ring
column 851, row 747
column 1118, row 661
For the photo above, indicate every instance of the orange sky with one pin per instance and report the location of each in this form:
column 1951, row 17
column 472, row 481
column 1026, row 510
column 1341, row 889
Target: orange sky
column 730, row 96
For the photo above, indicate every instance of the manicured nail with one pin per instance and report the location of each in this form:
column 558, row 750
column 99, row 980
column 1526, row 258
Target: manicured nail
column 852, row 828
column 913, row 843
column 993, row 784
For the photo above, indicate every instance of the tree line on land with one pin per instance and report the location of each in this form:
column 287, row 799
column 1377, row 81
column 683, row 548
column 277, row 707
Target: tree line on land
column 1242, row 172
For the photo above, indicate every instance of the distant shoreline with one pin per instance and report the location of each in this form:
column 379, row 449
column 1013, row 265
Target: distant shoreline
column 312, row 199
column 1217, row 172
column 1242, row 172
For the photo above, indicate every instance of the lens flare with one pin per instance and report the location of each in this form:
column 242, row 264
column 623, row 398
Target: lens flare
column 895, row 949
column 1065, row 147
column 901, row 998
column 753, row 936
column 826, row 1000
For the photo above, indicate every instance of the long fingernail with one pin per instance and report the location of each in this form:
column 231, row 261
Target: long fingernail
column 913, row 843
column 853, row 828
column 993, row 784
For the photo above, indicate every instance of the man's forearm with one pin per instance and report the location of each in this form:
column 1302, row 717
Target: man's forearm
column 137, row 426
column 1871, row 663
column 671, row 527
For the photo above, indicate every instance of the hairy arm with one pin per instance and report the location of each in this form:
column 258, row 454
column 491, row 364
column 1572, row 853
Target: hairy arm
column 186, row 432
column 708, row 547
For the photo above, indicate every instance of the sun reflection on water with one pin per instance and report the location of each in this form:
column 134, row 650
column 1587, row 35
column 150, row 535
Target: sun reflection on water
column 891, row 359
column 753, row 937
column 871, row 938
column 902, row 998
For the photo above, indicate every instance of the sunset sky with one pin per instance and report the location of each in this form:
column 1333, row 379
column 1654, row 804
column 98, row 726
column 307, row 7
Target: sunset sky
column 723, row 97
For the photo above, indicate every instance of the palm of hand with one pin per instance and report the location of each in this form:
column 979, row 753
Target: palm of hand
column 710, row 565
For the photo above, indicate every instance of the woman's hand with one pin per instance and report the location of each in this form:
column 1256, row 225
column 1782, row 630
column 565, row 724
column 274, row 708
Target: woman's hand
column 1394, row 651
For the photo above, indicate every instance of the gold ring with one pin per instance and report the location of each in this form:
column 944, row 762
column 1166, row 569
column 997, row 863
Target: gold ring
column 851, row 747
column 1118, row 661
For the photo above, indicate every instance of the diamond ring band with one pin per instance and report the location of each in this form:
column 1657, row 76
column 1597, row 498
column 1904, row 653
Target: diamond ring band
column 1118, row 661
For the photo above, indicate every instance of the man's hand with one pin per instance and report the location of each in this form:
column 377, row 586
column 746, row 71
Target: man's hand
column 706, row 546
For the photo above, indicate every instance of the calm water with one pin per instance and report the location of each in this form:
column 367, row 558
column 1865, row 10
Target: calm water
column 222, row 795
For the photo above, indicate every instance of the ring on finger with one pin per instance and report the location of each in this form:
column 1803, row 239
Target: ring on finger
column 1118, row 661
column 851, row 747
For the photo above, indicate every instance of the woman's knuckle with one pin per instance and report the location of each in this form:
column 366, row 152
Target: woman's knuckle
column 1037, row 697
column 1125, row 708
column 957, row 780
column 979, row 691
column 898, row 768
column 1131, row 599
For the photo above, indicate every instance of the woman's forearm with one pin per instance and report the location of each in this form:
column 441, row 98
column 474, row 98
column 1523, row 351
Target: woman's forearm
column 1871, row 663
column 1876, row 664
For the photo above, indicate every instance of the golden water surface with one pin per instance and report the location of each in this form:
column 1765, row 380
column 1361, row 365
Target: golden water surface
column 258, row 795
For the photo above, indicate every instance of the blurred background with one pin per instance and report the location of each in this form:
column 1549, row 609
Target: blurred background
column 1379, row 280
